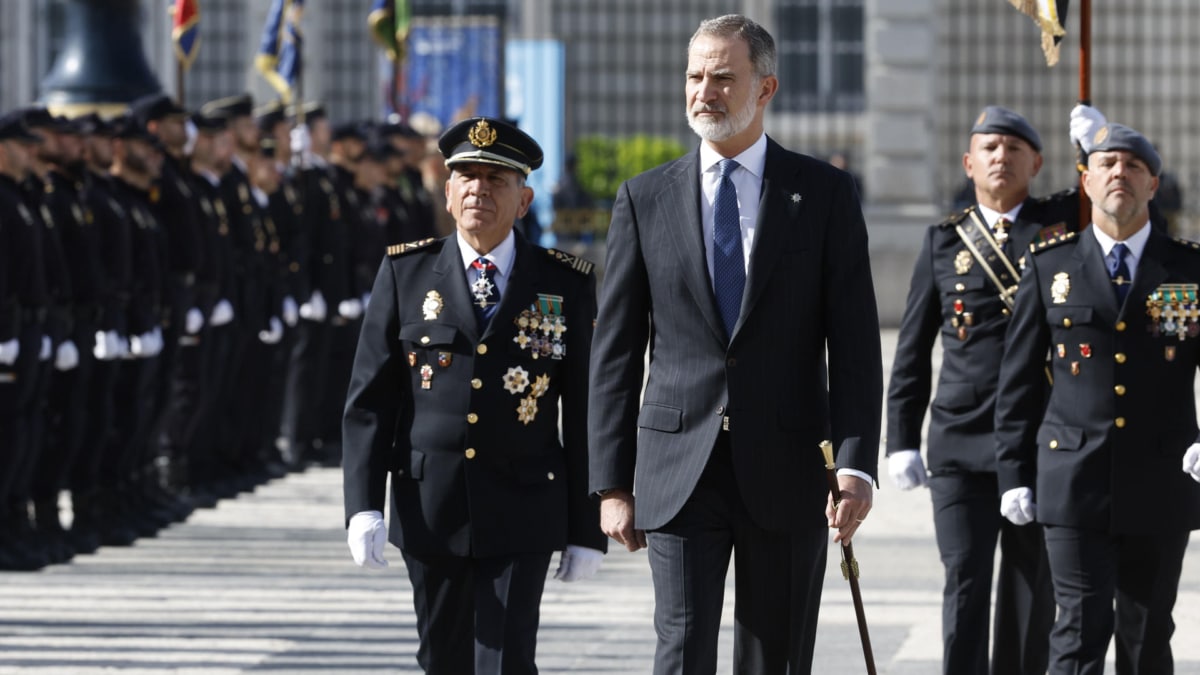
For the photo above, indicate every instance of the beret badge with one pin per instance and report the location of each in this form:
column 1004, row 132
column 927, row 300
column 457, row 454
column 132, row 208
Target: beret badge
column 482, row 135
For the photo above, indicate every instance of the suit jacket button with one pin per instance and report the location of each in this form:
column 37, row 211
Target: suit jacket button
column 470, row 453
column 1120, row 422
column 1066, row 322
column 1120, row 389
column 731, row 362
column 1120, row 357
column 476, row 383
column 472, row 418
column 1121, row 326
column 424, row 339
column 1054, row 444
column 550, row 475
column 720, row 410
column 960, row 287
column 481, row 349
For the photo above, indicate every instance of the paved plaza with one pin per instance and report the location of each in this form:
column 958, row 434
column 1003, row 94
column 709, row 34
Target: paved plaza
column 264, row 583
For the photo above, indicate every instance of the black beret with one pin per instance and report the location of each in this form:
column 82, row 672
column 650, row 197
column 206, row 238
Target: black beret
column 208, row 122
column 127, row 127
column 12, row 128
column 154, row 107
column 380, row 150
column 347, row 130
column 1113, row 136
column 241, row 105
column 490, row 141
column 40, row 118
column 93, row 124
column 997, row 120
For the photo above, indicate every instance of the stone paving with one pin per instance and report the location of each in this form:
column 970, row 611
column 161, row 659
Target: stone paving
column 264, row 583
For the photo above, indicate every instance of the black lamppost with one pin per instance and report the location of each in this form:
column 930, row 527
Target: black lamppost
column 102, row 66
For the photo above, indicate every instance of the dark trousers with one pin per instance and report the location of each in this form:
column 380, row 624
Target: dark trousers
column 477, row 615
column 1092, row 570
column 66, row 419
column 967, row 521
column 19, row 385
column 305, row 388
column 778, row 581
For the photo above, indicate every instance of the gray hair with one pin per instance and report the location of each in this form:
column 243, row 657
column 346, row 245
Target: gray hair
column 760, row 42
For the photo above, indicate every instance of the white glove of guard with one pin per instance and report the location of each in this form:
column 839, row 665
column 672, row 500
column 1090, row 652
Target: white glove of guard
column 1085, row 121
column 67, row 356
column 148, row 344
column 1017, row 505
column 366, row 536
column 301, row 141
column 906, row 469
column 194, row 321
column 222, row 313
column 1191, row 462
column 272, row 335
column 350, row 308
column 9, row 351
column 47, row 349
column 315, row 309
column 291, row 313
column 578, row 562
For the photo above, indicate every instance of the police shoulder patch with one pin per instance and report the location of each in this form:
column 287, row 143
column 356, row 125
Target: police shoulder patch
column 581, row 265
column 1039, row 246
column 400, row 249
column 956, row 218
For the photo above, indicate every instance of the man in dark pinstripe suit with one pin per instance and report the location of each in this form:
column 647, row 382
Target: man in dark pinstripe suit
column 722, row 454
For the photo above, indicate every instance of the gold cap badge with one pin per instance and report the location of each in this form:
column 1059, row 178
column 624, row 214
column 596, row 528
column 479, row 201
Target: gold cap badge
column 482, row 135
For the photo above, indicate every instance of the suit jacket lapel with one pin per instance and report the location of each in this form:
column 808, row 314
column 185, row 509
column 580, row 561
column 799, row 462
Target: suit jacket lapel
column 1090, row 257
column 777, row 211
column 520, row 286
column 1149, row 274
column 450, row 280
column 680, row 208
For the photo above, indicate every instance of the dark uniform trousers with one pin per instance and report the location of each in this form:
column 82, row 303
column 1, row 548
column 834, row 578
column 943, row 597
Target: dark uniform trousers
column 952, row 297
column 464, row 422
column 1119, row 418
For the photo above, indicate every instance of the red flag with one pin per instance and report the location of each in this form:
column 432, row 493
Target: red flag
column 186, row 30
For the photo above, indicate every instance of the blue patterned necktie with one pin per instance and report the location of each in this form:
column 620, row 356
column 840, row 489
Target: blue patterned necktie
column 729, row 264
column 483, row 291
column 1119, row 271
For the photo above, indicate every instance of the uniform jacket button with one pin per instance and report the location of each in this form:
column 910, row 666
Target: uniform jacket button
column 470, row 453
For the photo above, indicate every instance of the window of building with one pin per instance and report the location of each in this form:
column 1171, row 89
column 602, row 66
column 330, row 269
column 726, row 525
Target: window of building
column 820, row 50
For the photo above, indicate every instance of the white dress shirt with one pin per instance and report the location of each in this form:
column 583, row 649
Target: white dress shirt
column 1136, row 245
column 990, row 217
column 747, row 180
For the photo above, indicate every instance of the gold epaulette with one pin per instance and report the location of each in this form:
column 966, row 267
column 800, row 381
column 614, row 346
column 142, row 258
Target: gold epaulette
column 1186, row 243
column 575, row 262
column 956, row 218
column 1039, row 246
column 400, row 249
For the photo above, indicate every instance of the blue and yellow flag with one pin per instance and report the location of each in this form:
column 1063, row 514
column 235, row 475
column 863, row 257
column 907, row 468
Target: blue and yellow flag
column 389, row 21
column 279, row 52
column 1051, row 17
column 185, row 30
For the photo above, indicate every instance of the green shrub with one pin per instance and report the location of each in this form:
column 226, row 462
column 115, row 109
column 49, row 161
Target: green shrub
column 604, row 163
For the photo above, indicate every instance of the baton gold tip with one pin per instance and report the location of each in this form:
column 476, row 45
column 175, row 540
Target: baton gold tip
column 827, row 451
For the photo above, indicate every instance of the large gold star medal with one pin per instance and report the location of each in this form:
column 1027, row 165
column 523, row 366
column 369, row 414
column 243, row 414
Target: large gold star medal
column 1060, row 288
column 962, row 261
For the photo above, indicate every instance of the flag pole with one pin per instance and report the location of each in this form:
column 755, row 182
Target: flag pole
column 1085, row 97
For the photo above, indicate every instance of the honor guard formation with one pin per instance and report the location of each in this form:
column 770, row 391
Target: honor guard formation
column 180, row 299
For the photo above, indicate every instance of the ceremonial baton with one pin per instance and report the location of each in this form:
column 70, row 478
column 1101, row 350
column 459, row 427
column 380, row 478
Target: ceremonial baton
column 849, row 564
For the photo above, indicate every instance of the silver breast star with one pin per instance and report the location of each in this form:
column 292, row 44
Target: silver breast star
column 796, row 197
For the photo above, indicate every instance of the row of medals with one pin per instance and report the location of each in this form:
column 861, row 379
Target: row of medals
column 1173, row 310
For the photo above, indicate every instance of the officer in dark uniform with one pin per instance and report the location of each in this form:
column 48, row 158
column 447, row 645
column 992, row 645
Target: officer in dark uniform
column 24, row 301
column 468, row 346
column 1115, row 306
column 962, row 289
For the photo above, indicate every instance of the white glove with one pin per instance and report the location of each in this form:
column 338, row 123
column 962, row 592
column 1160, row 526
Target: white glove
column 47, row 349
column 222, row 313
column 148, row 344
column 301, row 141
column 67, row 356
column 1085, row 121
column 1017, row 505
column 191, row 133
column 291, row 313
column 1191, row 462
column 578, row 562
column 9, row 351
column 906, row 469
column 350, row 309
column 272, row 335
column 194, row 321
column 366, row 536
column 315, row 309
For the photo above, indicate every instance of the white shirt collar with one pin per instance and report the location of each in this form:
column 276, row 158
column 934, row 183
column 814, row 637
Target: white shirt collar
column 502, row 256
column 1136, row 243
column 752, row 159
column 990, row 217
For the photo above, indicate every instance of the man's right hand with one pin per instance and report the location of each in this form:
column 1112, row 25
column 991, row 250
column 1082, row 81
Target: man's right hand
column 906, row 469
column 1017, row 505
column 616, row 519
column 367, row 536
column 1085, row 122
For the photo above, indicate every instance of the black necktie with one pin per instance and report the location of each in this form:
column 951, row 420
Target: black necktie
column 729, row 264
column 484, row 291
column 1119, row 271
